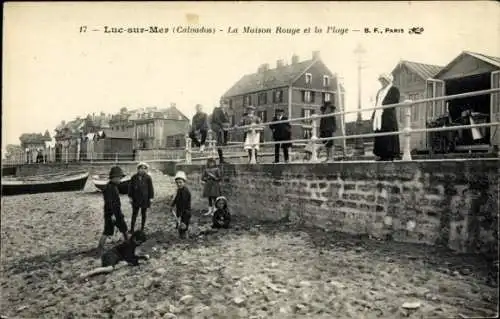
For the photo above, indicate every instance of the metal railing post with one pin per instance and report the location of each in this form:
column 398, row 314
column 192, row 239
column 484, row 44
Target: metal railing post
column 211, row 143
column 314, row 138
column 116, row 158
column 407, row 131
column 188, row 149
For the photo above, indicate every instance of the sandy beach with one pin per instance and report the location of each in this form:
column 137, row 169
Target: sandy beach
column 255, row 270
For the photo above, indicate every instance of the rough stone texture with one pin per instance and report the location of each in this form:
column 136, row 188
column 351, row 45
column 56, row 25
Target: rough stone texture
column 452, row 203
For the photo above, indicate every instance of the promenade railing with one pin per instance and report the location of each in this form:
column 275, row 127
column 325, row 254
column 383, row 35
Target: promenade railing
column 407, row 131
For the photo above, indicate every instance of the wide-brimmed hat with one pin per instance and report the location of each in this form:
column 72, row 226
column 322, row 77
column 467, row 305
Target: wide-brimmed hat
column 386, row 76
column 280, row 111
column 142, row 164
column 116, row 171
column 250, row 107
column 180, row 175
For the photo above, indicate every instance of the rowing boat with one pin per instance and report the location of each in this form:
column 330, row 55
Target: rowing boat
column 50, row 183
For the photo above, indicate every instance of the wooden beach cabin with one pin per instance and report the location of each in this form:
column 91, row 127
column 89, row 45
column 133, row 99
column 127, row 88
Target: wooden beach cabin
column 468, row 72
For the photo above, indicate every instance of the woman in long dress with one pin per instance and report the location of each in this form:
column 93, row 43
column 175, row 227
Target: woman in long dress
column 386, row 148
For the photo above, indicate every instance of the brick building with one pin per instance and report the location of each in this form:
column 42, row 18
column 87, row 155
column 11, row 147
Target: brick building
column 152, row 126
column 300, row 88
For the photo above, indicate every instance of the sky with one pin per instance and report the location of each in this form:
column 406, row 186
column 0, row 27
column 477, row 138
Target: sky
column 52, row 72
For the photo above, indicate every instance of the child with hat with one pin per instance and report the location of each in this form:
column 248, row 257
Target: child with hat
column 181, row 205
column 113, row 215
column 141, row 194
column 251, row 140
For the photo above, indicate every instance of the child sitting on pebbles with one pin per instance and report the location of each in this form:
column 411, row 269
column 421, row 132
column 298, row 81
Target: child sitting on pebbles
column 181, row 205
column 221, row 217
column 113, row 215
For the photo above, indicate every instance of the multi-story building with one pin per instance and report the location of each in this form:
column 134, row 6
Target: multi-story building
column 410, row 78
column 152, row 126
column 33, row 145
column 300, row 88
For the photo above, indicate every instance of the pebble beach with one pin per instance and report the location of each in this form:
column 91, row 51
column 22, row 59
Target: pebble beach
column 254, row 270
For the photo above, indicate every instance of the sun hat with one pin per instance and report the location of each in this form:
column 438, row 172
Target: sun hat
column 142, row 164
column 388, row 77
column 180, row 175
column 250, row 107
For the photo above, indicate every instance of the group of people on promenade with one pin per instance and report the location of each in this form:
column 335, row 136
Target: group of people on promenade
column 386, row 148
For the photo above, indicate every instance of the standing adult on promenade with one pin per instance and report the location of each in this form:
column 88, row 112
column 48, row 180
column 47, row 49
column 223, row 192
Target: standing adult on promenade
column 281, row 132
column 386, row 148
column 199, row 126
column 220, row 121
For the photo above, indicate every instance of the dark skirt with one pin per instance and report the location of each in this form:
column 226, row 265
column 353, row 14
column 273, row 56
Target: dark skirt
column 386, row 147
column 324, row 134
column 211, row 189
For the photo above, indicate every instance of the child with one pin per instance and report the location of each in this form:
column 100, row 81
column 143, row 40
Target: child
column 112, row 208
column 140, row 193
column 124, row 251
column 211, row 190
column 182, row 205
column 222, row 217
column 251, row 140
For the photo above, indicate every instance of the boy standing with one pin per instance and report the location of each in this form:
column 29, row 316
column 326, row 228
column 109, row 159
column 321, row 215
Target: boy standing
column 113, row 215
column 140, row 193
column 182, row 204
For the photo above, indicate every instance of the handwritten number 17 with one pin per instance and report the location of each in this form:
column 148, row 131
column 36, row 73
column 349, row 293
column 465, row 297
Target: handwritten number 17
column 83, row 29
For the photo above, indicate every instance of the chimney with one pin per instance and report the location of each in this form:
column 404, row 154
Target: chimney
column 280, row 63
column 295, row 59
column 316, row 55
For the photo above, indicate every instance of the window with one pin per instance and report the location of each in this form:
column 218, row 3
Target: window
column 262, row 98
column 247, row 100
column 230, row 104
column 308, row 78
column 326, row 97
column 278, row 96
column 326, row 80
column 308, row 96
column 262, row 115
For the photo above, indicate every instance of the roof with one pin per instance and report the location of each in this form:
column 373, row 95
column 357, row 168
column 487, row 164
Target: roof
column 495, row 61
column 33, row 138
column 170, row 113
column 270, row 79
column 425, row 71
column 117, row 134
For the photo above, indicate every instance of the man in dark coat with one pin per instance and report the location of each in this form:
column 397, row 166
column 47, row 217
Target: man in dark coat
column 199, row 125
column 281, row 132
column 327, row 128
column 140, row 193
column 220, row 121
column 386, row 148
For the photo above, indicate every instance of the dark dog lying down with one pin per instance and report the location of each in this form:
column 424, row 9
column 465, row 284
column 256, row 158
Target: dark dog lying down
column 122, row 252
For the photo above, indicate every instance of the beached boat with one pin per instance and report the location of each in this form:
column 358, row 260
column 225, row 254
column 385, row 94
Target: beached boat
column 100, row 182
column 50, row 183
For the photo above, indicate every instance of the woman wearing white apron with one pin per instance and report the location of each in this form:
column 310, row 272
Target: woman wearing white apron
column 252, row 135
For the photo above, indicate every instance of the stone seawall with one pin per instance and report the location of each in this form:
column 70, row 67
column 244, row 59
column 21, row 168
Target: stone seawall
column 452, row 203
